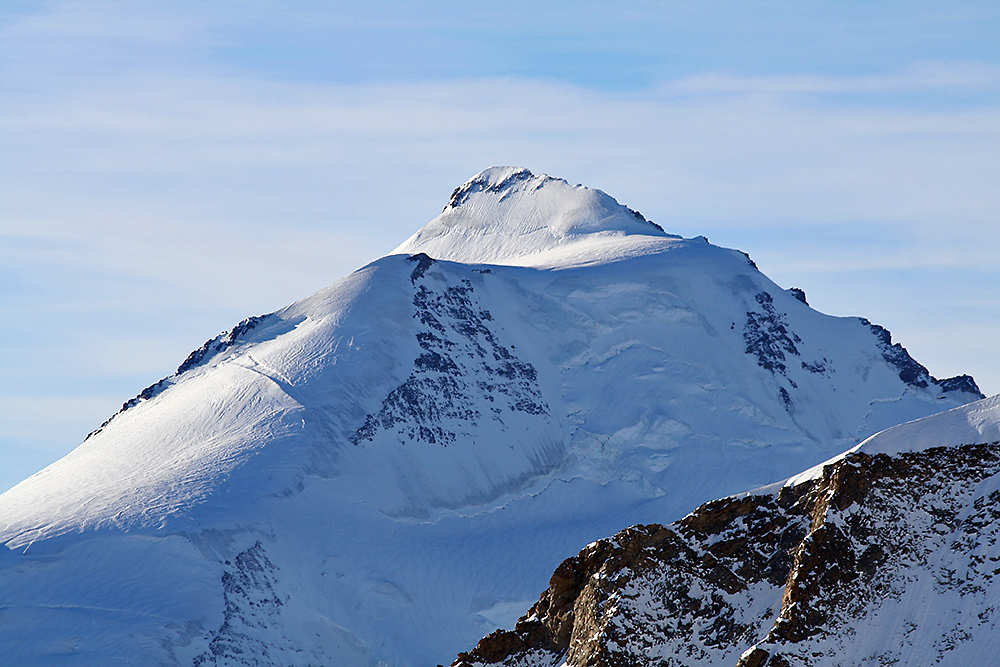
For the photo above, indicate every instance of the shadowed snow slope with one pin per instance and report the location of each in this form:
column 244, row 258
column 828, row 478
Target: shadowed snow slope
column 390, row 468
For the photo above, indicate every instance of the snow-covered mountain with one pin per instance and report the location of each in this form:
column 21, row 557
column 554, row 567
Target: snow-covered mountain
column 885, row 555
column 389, row 469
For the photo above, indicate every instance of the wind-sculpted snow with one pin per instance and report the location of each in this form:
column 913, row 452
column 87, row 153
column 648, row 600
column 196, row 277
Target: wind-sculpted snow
column 391, row 468
column 220, row 343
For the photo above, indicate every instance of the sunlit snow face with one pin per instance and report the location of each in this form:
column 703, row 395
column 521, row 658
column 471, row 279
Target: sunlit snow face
column 508, row 215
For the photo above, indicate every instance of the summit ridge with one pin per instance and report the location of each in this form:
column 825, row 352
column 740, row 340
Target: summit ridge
column 508, row 215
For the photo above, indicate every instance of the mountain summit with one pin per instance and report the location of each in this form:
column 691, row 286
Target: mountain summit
column 507, row 215
column 390, row 468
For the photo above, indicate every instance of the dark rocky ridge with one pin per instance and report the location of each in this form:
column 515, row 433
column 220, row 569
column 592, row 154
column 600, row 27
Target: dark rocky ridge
column 777, row 579
column 768, row 337
column 251, row 602
column 911, row 371
column 460, row 343
column 483, row 183
column 202, row 355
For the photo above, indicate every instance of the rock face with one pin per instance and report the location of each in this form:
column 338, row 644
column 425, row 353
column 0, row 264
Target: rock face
column 873, row 559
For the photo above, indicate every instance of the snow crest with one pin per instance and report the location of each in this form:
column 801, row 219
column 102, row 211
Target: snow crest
column 976, row 423
column 507, row 215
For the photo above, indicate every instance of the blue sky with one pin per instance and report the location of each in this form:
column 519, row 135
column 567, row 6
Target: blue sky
column 169, row 168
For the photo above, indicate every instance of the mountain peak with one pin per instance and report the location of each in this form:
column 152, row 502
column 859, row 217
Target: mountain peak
column 384, row 469
column 508, row 215
column 494, row 179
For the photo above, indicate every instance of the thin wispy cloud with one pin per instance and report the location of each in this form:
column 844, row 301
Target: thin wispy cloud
column 171, row 168
column 923, row 77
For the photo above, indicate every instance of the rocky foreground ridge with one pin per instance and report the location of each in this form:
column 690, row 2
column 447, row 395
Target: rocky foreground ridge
column 880, row 559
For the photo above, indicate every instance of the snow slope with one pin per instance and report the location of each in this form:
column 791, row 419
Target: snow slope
column 390, row 468
column 972, row 423
column 977, row 422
